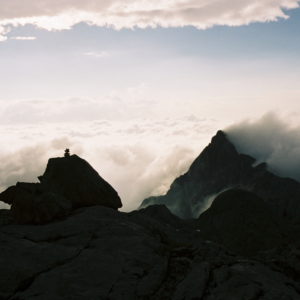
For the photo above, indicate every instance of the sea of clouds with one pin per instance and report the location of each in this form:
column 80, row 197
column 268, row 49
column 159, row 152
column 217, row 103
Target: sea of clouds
column 139, row 157
column 138, row 146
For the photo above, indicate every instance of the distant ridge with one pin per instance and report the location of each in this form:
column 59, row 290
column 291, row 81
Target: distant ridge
column 220, row 167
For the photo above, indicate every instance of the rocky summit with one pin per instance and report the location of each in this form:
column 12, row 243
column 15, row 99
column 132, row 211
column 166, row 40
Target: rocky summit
column 64, row 237
column 220, row 167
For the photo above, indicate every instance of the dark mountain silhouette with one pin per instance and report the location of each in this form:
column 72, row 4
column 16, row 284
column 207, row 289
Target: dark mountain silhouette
column 79, row 246
column 220, row 167
column 68, row 183
column 242, row 222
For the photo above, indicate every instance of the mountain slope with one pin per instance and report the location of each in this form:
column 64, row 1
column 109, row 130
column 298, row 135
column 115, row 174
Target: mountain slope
column 220, row 167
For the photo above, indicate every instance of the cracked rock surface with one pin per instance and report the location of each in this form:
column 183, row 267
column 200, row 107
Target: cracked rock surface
column 100, row 253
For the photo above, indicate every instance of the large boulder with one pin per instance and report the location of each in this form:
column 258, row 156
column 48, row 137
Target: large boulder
column 76, row 180
column 68, row 183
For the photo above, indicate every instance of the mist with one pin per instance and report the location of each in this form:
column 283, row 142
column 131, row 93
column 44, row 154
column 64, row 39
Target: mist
column 270, row 139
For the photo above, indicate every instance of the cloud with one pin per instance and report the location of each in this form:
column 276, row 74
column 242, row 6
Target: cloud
column 3, row 32
column 112, row 106
column 23, row 38
column 202, row 14
column 270, row 139
column 139, row 157
column 100, row 54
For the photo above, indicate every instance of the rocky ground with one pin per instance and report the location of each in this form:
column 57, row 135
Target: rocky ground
column 100, row 253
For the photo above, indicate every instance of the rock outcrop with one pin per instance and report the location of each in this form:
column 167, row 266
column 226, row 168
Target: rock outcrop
column 220, row 167
column 75, row 179
column 68, row 183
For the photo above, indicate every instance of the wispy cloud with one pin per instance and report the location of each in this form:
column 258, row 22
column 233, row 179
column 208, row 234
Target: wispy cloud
column 23, row 38
column 202, row 14
column 96, row 54
column 3, row 31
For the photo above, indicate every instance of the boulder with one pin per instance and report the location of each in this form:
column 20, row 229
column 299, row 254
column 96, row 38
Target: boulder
column 68, row 183
column 76, row 180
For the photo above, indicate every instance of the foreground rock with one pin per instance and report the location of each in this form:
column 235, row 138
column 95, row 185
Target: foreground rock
column 99, row 253
column 68, row 183
column 242, row 222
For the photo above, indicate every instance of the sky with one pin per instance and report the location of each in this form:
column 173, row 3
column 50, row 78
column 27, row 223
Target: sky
column 138, row 88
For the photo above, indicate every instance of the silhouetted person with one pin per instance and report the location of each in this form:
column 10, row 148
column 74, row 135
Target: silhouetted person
column 67, row 153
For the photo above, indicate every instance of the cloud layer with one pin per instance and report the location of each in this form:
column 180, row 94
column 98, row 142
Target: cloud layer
column 202, row 14
column 272, row 140
column 139, row 157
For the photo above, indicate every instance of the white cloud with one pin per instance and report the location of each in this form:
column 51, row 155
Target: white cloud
column 202, row 14
column 3, row 31
column 23, row 38
column 270, row 139
column 100, row 54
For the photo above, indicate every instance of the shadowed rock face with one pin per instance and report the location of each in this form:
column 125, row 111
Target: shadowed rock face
column 242, row 222
column 68, row 183
column 75, row 179
column 220, row 167
column 31, row 203
column 100, row 253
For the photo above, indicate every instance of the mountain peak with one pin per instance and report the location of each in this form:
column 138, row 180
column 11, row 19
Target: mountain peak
column 220, row 167
column 220, row 135
column 221, row 140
